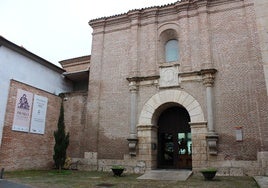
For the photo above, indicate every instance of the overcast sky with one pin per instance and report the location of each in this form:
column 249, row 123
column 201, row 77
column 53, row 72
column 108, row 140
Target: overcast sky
column 58, row 29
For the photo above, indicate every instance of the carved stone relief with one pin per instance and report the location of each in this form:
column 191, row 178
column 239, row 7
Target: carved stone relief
column 169, row 76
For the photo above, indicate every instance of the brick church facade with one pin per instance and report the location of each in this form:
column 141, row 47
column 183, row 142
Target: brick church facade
column 145, row 100
column 178, row 86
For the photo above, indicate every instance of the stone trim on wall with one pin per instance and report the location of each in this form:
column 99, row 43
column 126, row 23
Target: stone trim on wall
column 177, row 96
column 199, row 145
column 147, row 152
column 147, row 128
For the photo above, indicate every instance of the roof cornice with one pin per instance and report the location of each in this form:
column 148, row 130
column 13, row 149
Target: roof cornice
column 130, row 12
column 181, row 5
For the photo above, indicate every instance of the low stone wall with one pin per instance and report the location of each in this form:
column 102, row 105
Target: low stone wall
column 263, row 162
column 132, row 165
column 90, row 162
column 240, row 168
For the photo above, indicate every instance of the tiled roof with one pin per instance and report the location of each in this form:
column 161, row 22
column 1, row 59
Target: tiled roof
column 140, row 10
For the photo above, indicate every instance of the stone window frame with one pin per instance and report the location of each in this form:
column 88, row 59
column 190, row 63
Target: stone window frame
column 167, row 32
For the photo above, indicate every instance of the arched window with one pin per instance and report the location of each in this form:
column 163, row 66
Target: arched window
column 172, row 50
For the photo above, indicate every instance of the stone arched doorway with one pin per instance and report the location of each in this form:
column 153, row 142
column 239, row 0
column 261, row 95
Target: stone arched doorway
column 174, row 149
column 148, row 123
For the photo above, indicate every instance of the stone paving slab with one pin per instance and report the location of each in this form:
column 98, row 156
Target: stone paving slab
column 9, row 184
column 262, row 181
column 169, row 175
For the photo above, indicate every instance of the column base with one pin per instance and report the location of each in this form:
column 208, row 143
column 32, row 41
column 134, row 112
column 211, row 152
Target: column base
column 132, row 145
column 212, row 139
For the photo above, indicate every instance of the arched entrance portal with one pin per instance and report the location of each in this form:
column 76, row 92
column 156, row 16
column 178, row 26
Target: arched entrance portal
column 147, row 128
column 174, row 139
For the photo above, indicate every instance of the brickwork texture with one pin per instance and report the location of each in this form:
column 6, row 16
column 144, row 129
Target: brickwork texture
column 20, row 150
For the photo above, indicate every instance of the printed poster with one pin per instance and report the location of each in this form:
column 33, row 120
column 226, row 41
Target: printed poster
column 38, row 120
column 23, row 108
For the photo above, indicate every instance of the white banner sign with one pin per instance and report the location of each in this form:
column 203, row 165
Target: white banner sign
column 38, row 121
column 23, row 108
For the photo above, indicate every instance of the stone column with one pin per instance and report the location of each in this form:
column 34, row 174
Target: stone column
column 208, row 80
column 133, row 108
column 208, row 76
column 133, row 118
column 134, row 17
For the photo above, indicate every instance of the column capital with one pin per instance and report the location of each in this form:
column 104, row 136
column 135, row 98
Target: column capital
column 208, row 76
column 133, row 87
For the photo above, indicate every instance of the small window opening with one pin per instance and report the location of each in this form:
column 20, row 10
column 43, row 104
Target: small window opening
column 172, row 50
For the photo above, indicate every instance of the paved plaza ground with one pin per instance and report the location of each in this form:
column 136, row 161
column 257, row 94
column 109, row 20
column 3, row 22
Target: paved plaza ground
column 80, row 179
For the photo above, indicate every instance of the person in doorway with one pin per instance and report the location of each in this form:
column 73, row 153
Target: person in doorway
column 183, row 146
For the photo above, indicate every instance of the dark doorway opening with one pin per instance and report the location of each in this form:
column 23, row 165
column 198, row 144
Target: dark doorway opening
column 174, row 139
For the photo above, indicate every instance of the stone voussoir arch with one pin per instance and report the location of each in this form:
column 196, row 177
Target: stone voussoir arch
column 176, row 96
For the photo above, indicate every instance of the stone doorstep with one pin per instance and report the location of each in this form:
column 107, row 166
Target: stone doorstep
column 262, row 181
column 166, row 175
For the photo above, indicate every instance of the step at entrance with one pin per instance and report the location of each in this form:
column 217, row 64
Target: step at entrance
column 168, row 175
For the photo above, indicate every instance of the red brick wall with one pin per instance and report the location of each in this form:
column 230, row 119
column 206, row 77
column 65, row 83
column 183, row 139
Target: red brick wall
column 20, row 150
column 240, row 94
column 75, row 121
column 226, row 38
